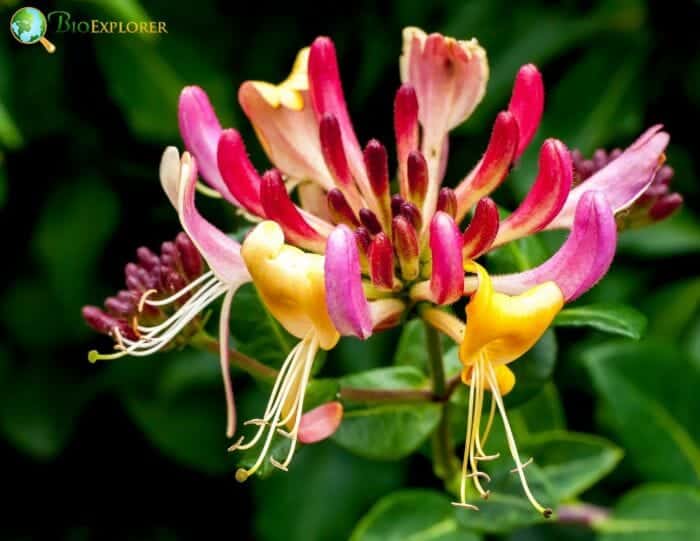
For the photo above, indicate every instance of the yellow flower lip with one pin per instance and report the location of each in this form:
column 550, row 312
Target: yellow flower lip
column 290, row 282
column 288, row 92
column 503, row 327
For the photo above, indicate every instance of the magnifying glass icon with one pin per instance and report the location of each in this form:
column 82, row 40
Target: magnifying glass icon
column 28, row 26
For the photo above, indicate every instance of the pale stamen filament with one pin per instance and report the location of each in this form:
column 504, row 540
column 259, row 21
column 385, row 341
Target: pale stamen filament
column 295, row 379
column 467, row 447
column 477, row 381
column 168, row 300
column 493, row 382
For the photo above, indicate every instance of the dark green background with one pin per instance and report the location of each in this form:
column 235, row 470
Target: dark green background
column 81, row 133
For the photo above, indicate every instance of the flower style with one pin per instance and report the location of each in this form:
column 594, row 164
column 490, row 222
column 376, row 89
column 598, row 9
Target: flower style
column 337, row 254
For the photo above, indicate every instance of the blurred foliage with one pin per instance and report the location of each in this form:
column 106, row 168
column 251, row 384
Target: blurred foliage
column 81, row 133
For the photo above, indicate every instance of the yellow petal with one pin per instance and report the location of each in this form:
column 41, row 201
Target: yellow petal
column 289, row 92
column 290, row 283
column 503, row 327
column 504, row 376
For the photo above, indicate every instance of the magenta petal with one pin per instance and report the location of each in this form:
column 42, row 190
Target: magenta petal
column 546, row 197
column 526, row 104
column 581, row 261
column 447, row 278
column 406, row 130
column 279, row 207
column 239, row 174
column 345, row 298
column 493, row 167
column 624, row 179
column 320, row 423
column 482, row 230
column 222, row 253
column 200, row 130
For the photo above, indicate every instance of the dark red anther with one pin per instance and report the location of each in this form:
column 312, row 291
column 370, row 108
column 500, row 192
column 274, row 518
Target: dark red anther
column 192, row 262
column 447, row 201
column 381, row 261
column 417, row 172
column 370, row 221
column 377, row 167
column 340, row 210
column 410, row 211
column 333, row 150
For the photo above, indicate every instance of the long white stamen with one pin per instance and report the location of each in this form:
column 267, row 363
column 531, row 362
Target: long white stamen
column 493, row 383
column 223, row 358
column 189, row 287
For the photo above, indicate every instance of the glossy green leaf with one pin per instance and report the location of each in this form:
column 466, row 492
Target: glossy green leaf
column 387, row 431
column 650, row 389
column 534, row 369
column 571, row 462
column 654, row 513
column 411, row 515
column 394, row 377
column 257, row 333
column 322, row 496
column 609, row 318
column 507, row 507
column 411, row 349
column 673, row 308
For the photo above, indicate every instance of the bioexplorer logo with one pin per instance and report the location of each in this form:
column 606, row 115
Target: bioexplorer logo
column 28, row 25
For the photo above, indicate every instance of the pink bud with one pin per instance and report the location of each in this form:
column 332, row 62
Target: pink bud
column 333, row 150
column 417, row 173
column 192, row 262
column 665, row 206
column 447, row 201
column 406, row 130
column 320, row 423
column 482, row 230
column 381, row 261
column 406, row 244
column 377, row 167
column 526, row 104
column 98, row 320
column 447, row 277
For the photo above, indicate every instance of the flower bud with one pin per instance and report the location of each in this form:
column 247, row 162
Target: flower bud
column 340, row 210
column 381, row 261
column 370, row 221
column 406, row 245
column 447, row 201
column 417, row 173
column 333, row 150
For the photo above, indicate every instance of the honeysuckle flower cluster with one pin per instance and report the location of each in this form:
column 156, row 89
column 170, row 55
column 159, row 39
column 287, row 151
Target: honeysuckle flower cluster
column 337, row 253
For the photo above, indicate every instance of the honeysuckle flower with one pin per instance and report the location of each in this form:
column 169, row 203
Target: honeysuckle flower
column 501, row 327
column 336, row 253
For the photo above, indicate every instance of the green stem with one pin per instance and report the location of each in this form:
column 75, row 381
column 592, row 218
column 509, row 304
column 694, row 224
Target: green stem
column 444, row 460
column 240, row 360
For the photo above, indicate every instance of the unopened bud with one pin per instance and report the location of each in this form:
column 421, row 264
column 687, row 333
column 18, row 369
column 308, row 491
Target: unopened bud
column 417, row 172
column 447, row 201
column 381, row 261
column 340, row 210
column 370, row 221
column 406, row 245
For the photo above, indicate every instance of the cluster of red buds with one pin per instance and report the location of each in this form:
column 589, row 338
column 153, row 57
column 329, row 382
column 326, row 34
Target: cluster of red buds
column 655, row 204
column 151, row 278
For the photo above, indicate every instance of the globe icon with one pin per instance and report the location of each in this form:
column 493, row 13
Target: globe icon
column 28, row 26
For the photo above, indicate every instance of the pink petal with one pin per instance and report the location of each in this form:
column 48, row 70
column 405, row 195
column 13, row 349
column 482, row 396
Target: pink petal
column 345, row 298
column 406, row 130
column 449, row 78
column 447, row 278
column 200, row 130
column 239, row 174
column 493, row 167
column 326, row 91
column 222, row 253
column 526, row 104
column 290, row 138
column 623, row 180
column 482, row 230
column 582, row 260
column 279, row 207
column 320, row 423
column 546, row 197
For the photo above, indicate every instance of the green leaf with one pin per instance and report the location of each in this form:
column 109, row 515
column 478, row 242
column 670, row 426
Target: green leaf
column 305, row 501
column 650, row 389
column 10, row 136
column 411, row 515
column 673, row 308
column 572, row 462
column 387, row 432
column 534, row 369
column 609, row 318
column 654, row 513
column 145, row 78
column 393, row 377
column 257, row 333
column 678, row 235
column 507, row 508
column 411, row 349
column 185, row 418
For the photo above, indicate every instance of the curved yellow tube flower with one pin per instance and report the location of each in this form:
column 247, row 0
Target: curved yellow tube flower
column 290, row 283
column 500, row 329
column 288, row 92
